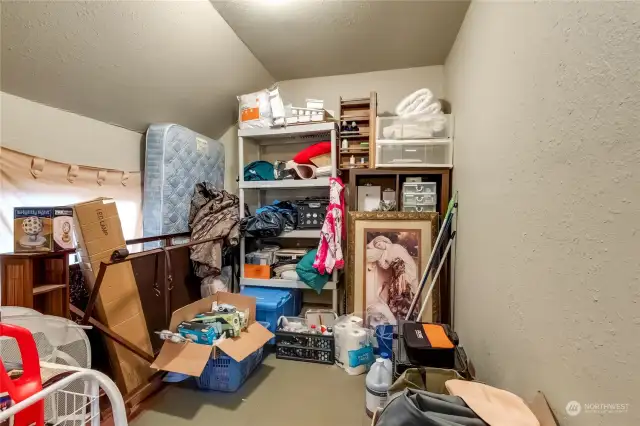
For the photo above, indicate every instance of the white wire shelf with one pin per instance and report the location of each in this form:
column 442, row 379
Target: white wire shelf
column 283, row 184
column 296, row 131
column 279, row 283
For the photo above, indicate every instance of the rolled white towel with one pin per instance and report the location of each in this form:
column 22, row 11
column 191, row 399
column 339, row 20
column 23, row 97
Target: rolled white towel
column 419, row 104
column 416, row 101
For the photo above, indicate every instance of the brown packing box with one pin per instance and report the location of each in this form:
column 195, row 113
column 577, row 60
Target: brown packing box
column 99, row 233
column 191, row 358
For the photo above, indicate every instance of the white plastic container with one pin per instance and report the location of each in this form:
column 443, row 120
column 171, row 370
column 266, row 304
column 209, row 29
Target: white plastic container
column 423, row 126
column 414, row 153
column 377, row 383
column 419, row 209
column 387, row 362
column 419, row 188
column 418, row 199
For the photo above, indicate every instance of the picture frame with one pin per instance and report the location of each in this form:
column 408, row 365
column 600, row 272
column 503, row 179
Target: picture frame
column 386, row 256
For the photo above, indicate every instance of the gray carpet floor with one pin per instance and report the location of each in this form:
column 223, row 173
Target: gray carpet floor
column 279, row 392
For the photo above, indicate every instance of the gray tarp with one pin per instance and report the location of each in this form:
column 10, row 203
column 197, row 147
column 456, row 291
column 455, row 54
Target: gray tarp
column 421, row 408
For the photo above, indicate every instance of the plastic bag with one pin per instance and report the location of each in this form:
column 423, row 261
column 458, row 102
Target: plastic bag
column 268, row 224
column 211, row 285
column 353, row 350
column 259, row 109
column 277, row 106
column 254, row 110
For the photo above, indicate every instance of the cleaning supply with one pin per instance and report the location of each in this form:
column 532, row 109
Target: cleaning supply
column 387, row 360
column 377, row 384
column 29, row 383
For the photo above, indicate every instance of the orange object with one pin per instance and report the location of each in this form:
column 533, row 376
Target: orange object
column 250, row 114
column 29, row 383
column 437, row 336
column 257, row 271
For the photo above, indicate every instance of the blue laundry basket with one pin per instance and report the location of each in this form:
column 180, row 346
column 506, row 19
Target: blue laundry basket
column 225, row 374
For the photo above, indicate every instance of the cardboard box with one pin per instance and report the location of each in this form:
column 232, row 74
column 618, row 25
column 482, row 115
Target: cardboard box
column 191, row 358
column 42, row 229
column 99, row 233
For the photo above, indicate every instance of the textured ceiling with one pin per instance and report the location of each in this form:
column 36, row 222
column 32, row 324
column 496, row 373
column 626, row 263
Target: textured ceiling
column 130, row 63
column 310, row 38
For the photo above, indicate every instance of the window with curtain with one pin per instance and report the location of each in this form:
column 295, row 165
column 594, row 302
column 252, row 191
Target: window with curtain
column 26, row 181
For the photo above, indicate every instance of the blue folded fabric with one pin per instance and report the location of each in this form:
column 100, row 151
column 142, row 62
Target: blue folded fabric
column 172, row 377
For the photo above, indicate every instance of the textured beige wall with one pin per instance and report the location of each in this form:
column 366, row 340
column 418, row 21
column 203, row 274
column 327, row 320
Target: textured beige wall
column 547, row 161
column 391, row 86
column 62, row 136
column 232, row 165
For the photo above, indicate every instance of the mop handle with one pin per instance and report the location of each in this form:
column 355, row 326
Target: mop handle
column 435, row 276
column 423, row 281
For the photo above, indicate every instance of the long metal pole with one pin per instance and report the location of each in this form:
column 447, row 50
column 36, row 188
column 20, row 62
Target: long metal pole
column 423, row 281
column 435, row 276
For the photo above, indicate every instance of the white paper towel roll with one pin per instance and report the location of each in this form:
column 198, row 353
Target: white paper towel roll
column 356, row 321
column 340, row 332
column 353, row 340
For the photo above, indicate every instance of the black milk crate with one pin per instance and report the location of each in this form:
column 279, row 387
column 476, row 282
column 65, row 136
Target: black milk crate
column 305, row 347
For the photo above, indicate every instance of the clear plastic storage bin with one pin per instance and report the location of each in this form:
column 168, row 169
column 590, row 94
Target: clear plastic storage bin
column 419, row 188
column 418, row 199
column 439, row 126
column 414, row 153
column 419, row 209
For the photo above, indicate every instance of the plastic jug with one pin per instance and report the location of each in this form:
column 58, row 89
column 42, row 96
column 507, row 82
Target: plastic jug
column 377, row 384
column 387, row 361
column 29, row 383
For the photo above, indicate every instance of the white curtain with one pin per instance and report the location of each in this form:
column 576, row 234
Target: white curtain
column 27, row 181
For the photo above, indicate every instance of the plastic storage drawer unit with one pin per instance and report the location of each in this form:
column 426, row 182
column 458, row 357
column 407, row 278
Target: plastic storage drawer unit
column 419, row 209
column 423, row 126
column 419, row 188
column 413, row 154
column 418, row 199
column 271, row 304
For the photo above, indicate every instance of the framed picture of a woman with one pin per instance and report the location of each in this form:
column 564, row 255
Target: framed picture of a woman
column 387, row 254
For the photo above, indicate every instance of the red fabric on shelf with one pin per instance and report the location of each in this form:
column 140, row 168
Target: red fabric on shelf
column 304, row 156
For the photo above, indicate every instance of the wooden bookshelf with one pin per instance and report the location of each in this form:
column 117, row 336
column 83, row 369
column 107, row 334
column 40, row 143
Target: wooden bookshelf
column 38, row 281
column 361, row 143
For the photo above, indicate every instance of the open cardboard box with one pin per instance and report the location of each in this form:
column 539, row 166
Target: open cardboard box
column 191, row 358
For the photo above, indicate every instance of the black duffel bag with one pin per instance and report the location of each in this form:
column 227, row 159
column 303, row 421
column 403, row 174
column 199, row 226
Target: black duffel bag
column 266, row 224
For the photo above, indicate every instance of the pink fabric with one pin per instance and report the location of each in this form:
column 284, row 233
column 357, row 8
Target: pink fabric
column 329, row 255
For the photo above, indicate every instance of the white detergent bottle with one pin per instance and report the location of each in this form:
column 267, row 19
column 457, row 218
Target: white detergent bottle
column 387, row 361
column 377, row 383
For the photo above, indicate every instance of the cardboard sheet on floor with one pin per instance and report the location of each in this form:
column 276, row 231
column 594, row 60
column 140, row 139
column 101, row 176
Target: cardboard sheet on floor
column 99, row 233
column 191, row 358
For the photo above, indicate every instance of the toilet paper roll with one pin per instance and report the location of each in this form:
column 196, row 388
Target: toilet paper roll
column 354, row 339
